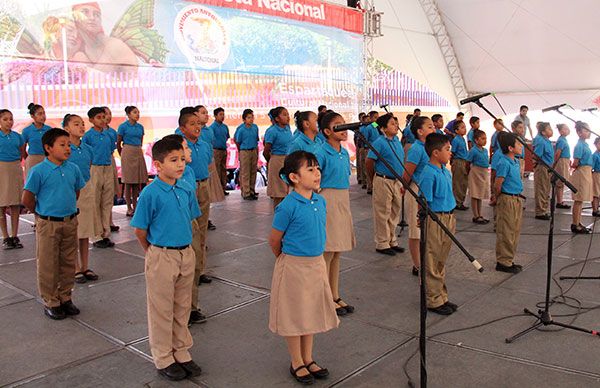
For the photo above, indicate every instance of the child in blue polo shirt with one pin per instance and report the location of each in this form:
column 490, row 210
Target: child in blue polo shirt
column 246, row 140
column 562, row 163
column 163, row 226
column 582, row 176
column 387, row 190
column 276, row 142
column 32, row 136
column 215, row 187
column 475, row 124
column 508, row 201
column 460, row 178
column 301, row 301
column 438, row 123
column 494, row 144
column 51, row 192
column 12, row 149
column 542, row 147
column 220, row 132
column 436, row 188
column 478, row 175
column 118, row 189
column 596, row 178
column 101, row 172
column 306, row 123
column 371, row 133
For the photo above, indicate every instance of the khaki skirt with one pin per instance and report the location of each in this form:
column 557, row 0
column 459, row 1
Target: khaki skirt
column 596, row 180
column 215, row 189
column 301, row 299
column 563, row 168
column 412, row 209
column 11, row 183
column 479, row 179
column 87, row 226
column 133, row 165
column 31, row 161
column 276, row 188
column 340, row 229
column 115, row 172
column 582, row 180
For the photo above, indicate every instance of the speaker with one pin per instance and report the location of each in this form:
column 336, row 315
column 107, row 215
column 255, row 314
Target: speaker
column 352, row 3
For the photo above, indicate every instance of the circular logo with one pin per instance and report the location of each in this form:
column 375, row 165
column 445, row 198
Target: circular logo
column 202, row 36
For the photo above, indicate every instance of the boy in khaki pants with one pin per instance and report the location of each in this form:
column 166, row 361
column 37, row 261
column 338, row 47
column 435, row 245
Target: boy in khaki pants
column 163, row 226
column 436, row 187
column 51, row 191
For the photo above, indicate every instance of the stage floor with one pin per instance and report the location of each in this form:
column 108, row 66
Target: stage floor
column 107, row 345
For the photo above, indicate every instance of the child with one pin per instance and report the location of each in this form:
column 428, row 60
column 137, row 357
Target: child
column 596, row 178
column 51, row 193
column 474, row 121
column 542, row 147
column 449, row 130
column 118, row 189
column 163, row 226
column 215, row 187
column 363, row 150
column 562, row 162
column 519, row 129
column 371, row 133
column 32, row 136
column 12, row 149
column 246, row 140
column 87, row 227
column 276, row 142
column 301, row 301
column 478, row 175
column 334, row 162
column 220, row 136
column 387, row 190
column 100, row 140
column 494, row 145
column 416, row 160
column 359, row 156
column 460, row 178
column 130, row 137
column 436, row 187
column 438, row 123
column 508, row 201
column 307, row 140
column 582, row 176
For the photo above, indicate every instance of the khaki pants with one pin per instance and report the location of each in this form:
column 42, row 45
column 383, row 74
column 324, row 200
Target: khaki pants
column 460, row 180
column 248, row 161
column 169, row 275
column 509, row 213
column 361, row 171
column 438, row 248
column 199, row 229
column 541, row 185
column 56, row 253
column 220, row 157
column 104, row 188
column 367, row 177
column 332, row 261
column 387, row 201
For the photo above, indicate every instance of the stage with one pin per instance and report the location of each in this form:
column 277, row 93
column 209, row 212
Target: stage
column 106, row 345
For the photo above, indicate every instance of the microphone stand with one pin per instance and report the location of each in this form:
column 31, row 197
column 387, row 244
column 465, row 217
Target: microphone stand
column 423, row 214
column 543, row 317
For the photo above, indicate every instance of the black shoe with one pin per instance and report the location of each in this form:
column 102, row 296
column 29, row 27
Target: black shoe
column 340, row 311
column 211, row 226
column 415, row 271
column 173, row 372
column 596, row 214
column 387, row 251
column 191, row 368
column 17, row 243
column 453, row 306
column 249, row 198
column 306, row 380
column 461, row 207
column 442, row 310
column 104, row 243
column 579, row 229
column 225, row 192
column 55, row 313
column 544, row 217
column 364, row 187
column 255, row 196
column 370, row 192
column 196, row 317
column 204, row 279
column 319, row 374
column 8, row 243
column 398, row 249
column 114, row 228
column 514, row 269
column 349, row 309
column 562, row 206
column 69, row 308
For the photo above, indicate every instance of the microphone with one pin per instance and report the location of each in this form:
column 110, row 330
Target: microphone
column 347, row 127
column 555, row 107
column 473, row 98
column 589, row 109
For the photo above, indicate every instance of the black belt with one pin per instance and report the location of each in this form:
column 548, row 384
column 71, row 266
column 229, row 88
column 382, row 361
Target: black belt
column 202, row 180
column 181, row 248
column 513, row 195
column 385, row 176
column 450, row 212
column 102, row 165
column 59, row 219
column 249, row 149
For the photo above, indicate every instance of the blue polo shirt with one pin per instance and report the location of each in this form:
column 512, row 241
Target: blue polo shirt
column 495, row 158
column 10, row 146
column 166, row 212
column 102, row 146
column 478, row 156
column 583, row 153
column 302, row 222
column 303, row 143
column 207, row 135
column 392, row 152
column 361, row 129
column 596, row 161
column 189, row 176
column 201, row 157
column 459, row 147
column 494, row 143
column 113, row 135
column 542, row 147
column 440, row 131
column 436, row 187
column 409, row 137
column 321, row 137
column 470, row 135
column 563, row 146
column 178, row 132
column 417, row 156
column 220, row 135
column 510, row 170
column 55, row 187
column 82, row 157
column 131, row 134
column 371, row 133
column 33, row 137
column 279, row 138
column 247, row 137
column 335, row 167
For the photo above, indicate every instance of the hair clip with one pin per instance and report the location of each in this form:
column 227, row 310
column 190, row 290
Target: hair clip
column 284, row 178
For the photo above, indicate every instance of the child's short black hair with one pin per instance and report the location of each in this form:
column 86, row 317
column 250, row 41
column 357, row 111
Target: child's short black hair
column 68, row 118
column 372, row 114
column 275, row 112
column 524, row 107
column 361, row 115
column 218, row 110
column 473, row 120
column 128, row 109
column 382, row 121
column 95, row 111
column 515, row 124
column 580, row 126
column 436, row 117
column 416, row 124
column 174, row 137
column 460, row 114
column 416, row 110
column 326, row 120
column 246, row 113
column 187, row 109
column 506, row 139
column 300, row 118
column 32, row 108
column 321, row 107
column 456, row 125
column 3, row 111
column 541, row 125
column 477, row 133
column 163, row 147
column 49, row 138
column 183, row 118
column 597, row 140
column 293, row 162
column 435, row 141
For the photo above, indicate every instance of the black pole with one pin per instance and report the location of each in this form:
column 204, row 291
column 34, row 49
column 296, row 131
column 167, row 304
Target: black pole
column 423, row 294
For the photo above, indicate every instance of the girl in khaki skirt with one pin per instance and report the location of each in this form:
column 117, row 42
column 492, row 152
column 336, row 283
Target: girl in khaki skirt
column 596, row 178
column 301, row 301
column 334, row 162
column 478, row 164
column 12, row 149
column 130, row 137
column 582, row 176
column 278, row 137
column 87, row 226
column 32, row 136
column 562, row 163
